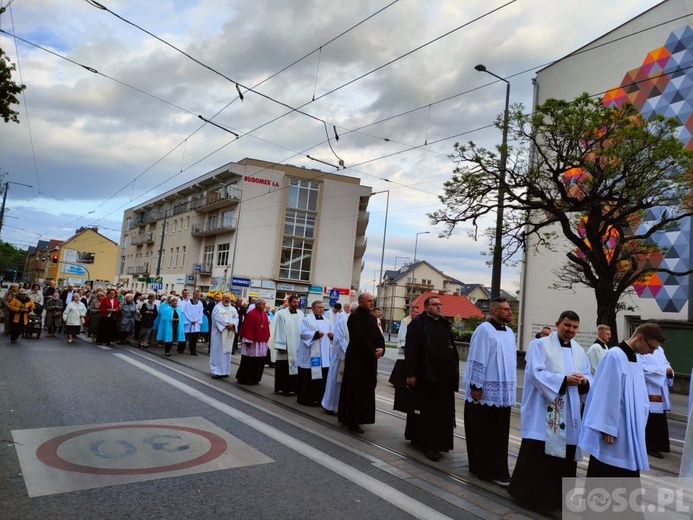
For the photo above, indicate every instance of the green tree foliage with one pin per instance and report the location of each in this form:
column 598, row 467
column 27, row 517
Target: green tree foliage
column 589, row 174
column 9, row 90
column 11, row 257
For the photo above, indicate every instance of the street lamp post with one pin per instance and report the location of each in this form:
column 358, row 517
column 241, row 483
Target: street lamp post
column 498, row 241
column 403, row 258
column 416, row 244
column 382, row 254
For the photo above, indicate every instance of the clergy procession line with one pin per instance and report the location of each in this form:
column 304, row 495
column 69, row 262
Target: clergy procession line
column 610, row 403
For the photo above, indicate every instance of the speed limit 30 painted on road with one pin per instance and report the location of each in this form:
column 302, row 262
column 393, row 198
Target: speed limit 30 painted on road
column 57, row 460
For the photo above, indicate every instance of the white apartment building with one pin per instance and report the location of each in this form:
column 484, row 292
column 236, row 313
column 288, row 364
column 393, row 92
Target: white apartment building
column 254, row 227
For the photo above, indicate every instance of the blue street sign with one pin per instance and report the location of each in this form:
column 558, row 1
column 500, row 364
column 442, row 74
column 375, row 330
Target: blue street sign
column 303, row 303
column 334, row 294
column 240, row 282
column 156, row 286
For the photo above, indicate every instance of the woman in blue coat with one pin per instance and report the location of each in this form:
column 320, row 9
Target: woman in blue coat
column 171, row 326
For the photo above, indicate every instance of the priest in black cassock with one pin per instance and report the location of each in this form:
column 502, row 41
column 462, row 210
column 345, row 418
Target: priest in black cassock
column 366, row 345
column 431, row 365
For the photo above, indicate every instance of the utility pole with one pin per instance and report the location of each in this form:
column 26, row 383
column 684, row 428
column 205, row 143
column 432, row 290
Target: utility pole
column 4, row 199
column 161, row 247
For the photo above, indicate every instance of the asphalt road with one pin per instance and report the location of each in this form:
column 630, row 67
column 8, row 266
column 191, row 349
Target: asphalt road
column 89, row 432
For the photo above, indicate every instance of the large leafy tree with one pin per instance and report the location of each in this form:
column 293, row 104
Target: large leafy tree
column 602, row 178
column 9, row 90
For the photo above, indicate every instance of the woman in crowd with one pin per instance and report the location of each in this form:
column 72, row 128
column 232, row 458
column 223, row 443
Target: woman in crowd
column 109, row 309
column 20, row 306
column 128, row 309
column 36, row 296
column 171, row 325
column 148, row 313
column 73, row 315
column 95, row 315
column 10, row 295
column 54, row 314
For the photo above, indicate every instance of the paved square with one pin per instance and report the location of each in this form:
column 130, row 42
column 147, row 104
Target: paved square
column 70, row 458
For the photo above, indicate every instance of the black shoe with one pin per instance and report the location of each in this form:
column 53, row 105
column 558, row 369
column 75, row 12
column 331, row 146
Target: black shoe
column 216, row 376
column 504, row 482
column 193, row 353
column 656, row 454
column 328, row 412
column 433, row 455
column 355, row 428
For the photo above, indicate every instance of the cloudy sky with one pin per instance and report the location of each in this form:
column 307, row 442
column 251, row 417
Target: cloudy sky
column 396, row 78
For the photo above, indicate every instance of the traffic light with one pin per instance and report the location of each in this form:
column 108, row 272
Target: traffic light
column 43, row 259
column 54, row 259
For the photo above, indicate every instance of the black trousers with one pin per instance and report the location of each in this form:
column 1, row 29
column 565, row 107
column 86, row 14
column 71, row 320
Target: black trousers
column 191, row 337
column 487, row 429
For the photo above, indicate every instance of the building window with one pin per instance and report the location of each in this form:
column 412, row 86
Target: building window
column 227, row 219
column 303, row 194
column 296, row 259
column 187, row 222
column 212, row 222
column 208, row 258
column 175, row 258
column 182, row 260
column 299, row 223
column 170, row 258
column 122, row 264
column 223, row 254
column 128, row 223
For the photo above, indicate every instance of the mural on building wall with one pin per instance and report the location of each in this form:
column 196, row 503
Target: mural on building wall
column 663, row 84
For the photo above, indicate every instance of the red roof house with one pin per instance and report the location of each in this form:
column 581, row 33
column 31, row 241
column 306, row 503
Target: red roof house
column 453, row 304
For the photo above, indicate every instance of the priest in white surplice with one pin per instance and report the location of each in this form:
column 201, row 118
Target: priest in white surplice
column 285, row 338
column 194, row 313
column 402, row 332
column 615, row 416
column 330, row 401
column 659, row 377
column 556, row 381
column 223, row 331
column 596, row 352
column 490, row 383
column 313, row 356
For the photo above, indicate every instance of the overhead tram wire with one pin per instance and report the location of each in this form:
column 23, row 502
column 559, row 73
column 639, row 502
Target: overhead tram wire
column 26, row 105
column 228, row 104
column 270, row 98
column 398, row 115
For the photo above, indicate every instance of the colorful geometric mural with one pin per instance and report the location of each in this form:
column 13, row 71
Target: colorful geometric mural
column 663, row 84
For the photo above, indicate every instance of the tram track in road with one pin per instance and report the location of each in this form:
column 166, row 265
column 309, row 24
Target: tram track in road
column 407, row 465
column 439, row 480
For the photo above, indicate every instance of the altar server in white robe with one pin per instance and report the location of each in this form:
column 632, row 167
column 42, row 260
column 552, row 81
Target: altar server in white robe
column 659, row 377
column 596, row 352
column 615, row 416
column 223, row 331
column 686, row 470
column 330, row 401
column 194, row 313
column 402, row 332
column 490, row 383
column 313, row 356
column 285, row 338
column 556, row 381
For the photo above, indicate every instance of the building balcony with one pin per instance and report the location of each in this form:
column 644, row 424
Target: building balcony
column 360, row 247
column 362, row 222
column 217, row 199
column 150, row 216
column 412, row 286
column 142, row 238
column 207, row 229
column 137, row 269
column 205, row 269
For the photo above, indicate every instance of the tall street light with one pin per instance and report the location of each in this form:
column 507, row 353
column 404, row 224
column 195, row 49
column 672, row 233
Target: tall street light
column 498, row 242
column 416, row 243
column 381, row 302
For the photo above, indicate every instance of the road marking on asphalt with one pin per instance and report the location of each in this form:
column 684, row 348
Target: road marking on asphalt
column 71, row 458
column 381, row 490
column 102, row 347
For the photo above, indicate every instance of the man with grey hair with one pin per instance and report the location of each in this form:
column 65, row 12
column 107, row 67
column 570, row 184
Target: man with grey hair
column 313, row 355
column 330, row 401
column 366, row 346
column 223, row 333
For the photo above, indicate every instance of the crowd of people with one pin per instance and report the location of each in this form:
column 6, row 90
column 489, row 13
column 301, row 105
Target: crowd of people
column 609, row 402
